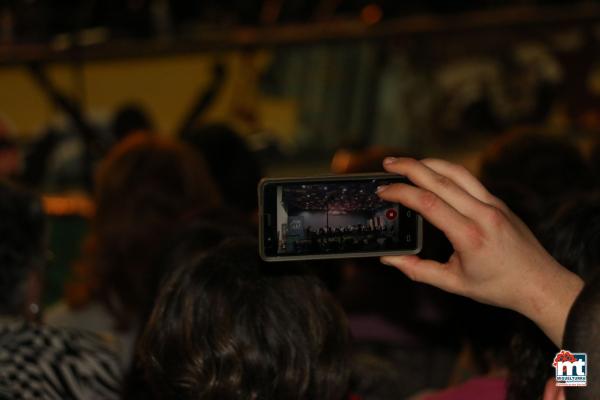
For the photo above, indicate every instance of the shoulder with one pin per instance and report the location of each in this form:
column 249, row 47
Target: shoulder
column 39, row 359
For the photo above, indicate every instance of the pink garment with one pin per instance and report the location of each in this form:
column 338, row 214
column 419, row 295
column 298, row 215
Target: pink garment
column 484, row 388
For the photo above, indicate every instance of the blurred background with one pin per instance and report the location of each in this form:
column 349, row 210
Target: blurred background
column 302, row 78
column 310, row 86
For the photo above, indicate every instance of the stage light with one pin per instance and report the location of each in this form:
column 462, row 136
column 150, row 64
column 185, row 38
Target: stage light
column 371, row 14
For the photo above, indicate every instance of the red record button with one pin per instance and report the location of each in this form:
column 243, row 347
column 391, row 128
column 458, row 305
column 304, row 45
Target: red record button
column 391, row 214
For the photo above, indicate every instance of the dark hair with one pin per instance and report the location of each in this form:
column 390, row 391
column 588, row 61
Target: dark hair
column 530, row 362
column 594, row 160
column 572, row 236
column 144, row 188
column 582, row 335
column 234, row 167
column 488, row 331
column 227, row 325
column 130, row 118
column 533, row 173
column 21, row 244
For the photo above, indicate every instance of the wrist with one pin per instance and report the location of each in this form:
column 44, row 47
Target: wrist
column 549, row 301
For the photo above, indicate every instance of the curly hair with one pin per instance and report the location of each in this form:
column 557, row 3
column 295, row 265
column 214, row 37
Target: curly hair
column 21, row 244
column 227, row 325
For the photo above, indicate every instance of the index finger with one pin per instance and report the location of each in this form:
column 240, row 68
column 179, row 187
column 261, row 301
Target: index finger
column 462, row 177
column 460, row 230
column 440, row 184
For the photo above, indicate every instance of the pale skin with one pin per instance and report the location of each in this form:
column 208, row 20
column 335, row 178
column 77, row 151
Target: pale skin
column 496, row 259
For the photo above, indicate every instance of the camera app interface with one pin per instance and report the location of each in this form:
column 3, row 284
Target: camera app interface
column 339, row 217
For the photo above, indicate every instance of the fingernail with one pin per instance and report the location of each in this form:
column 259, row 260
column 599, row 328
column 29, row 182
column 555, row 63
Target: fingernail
column 381, row 189
column 389, row 160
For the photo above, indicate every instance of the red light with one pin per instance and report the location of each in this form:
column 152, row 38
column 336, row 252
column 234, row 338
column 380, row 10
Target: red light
column 371, row 14
column 391, row 214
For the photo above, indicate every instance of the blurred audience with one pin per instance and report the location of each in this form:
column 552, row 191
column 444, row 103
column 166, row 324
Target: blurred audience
column 534, row 173
column 351, row 161
column 233, row 166
column 193, row 313
column 130, row 119
column 37, row 361
column 169, row 298
column 480, row 371
column 392, row 319
column 545, row 180
column 227, row 325
column 10, row 158
column 144, row 189
column 62, row 156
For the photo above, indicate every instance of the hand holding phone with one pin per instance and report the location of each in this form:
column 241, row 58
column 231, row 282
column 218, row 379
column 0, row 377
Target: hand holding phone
column 496, row 260
column 334, row 217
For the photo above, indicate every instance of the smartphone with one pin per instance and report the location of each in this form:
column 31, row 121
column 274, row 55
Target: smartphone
column 337, row 216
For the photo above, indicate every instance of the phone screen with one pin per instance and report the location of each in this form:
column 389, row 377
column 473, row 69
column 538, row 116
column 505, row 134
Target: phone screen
column 336, row 217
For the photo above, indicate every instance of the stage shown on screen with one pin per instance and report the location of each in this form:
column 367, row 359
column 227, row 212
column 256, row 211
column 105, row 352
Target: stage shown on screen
column 335, row 218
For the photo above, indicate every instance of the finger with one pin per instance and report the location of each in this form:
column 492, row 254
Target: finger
column 460, row 230
column 462, row 177
column 440, row 184
column 431, row 272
